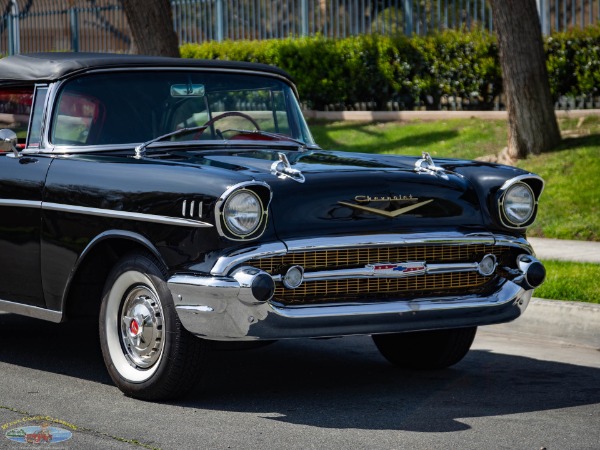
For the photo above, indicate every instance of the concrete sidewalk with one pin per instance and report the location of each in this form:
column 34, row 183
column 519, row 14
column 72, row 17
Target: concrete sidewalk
column 576, row 323
column 563, row 250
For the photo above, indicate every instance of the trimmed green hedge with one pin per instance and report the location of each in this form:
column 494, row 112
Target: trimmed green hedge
column 342, row 73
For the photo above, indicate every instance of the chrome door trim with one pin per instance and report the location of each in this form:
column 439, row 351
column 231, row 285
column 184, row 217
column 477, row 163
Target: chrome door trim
column 20, row 203
column 31, row 311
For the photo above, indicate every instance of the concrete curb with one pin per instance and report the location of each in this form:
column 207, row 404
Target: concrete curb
column 569, row 322
column 405, row 116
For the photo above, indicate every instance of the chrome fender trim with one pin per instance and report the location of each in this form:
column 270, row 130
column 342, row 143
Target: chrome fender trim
column 114, row 214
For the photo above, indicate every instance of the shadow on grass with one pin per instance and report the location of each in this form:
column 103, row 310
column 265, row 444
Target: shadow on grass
column 570, row 143
column 324, row 138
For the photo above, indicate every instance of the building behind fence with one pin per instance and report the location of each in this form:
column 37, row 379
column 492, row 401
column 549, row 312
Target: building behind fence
column 100, row 25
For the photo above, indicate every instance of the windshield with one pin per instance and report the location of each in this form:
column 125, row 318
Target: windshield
column 137, row 106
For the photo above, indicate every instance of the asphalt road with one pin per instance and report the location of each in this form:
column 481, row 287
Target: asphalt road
column 509, row 392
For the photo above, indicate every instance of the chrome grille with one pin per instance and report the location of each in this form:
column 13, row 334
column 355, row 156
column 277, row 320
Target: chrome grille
column 327, row 291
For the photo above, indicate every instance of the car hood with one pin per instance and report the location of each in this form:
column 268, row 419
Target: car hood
column 349, row 193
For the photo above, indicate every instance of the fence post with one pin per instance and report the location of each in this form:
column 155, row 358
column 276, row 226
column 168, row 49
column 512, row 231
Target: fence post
column 14, row 35
column 219, row 20
column 408, row 17
column 74, row 16
column 543, row 7
column 304, row 17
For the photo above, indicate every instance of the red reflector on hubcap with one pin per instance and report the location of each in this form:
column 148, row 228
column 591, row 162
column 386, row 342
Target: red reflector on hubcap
column 134, row 327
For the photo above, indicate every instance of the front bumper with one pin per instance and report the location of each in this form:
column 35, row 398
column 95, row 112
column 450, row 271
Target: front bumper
column 224, row 306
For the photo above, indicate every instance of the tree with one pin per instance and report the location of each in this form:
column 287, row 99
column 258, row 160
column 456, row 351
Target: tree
column 532, row 126
column 151, row 24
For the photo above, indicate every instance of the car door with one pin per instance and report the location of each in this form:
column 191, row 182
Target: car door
column 21, row 185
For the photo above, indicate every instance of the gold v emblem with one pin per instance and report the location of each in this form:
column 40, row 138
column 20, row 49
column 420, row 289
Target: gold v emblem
column 383, row 213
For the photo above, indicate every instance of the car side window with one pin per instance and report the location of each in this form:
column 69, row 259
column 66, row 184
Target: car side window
column 15, row 108
column 79, row 119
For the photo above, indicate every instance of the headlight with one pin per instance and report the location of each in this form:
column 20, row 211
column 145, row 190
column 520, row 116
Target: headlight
column 518, row 204
column 242, row 212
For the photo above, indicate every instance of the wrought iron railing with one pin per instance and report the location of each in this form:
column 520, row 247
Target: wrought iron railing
column 100, row 25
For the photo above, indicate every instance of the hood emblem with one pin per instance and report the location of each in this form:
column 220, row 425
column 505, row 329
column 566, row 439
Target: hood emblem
column 390, row 214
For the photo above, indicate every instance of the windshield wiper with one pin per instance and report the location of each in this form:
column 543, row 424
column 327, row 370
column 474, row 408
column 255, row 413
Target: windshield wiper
column 140, row 150
column 279, row 136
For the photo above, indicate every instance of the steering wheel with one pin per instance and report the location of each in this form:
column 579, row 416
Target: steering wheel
column 212, row 121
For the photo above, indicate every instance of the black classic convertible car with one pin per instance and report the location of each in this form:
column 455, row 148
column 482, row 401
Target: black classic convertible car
column 182, row 202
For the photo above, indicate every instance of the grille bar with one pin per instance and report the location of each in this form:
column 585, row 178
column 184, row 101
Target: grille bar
column 359, row 288
column 356, row 257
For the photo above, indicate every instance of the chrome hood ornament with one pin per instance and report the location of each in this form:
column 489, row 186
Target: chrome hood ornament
column 426, row 165
column 283, row 169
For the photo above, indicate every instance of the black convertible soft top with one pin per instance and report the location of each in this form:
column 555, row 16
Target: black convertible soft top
column 45, row 67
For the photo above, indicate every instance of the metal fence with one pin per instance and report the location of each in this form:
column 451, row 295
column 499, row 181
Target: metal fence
column 100, row 25
column 57, row 25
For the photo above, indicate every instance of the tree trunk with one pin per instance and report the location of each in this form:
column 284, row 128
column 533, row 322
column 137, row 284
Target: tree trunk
column 151, row 24
column 532, row 126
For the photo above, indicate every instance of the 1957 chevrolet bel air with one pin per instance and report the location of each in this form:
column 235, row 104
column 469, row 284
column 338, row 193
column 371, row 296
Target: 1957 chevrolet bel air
column 183, row 201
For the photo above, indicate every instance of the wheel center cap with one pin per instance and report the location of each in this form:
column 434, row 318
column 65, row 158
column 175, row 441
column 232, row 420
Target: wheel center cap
column 134, row 327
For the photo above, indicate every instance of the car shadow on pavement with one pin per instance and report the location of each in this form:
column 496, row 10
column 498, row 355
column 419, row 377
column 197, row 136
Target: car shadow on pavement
column 336, row 383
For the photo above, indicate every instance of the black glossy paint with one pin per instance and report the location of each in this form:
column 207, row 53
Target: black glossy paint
column 159, row 183
column 21, row 179
column 41, row 249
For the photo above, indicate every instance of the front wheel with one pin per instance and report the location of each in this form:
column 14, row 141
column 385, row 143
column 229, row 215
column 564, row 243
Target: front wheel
column 435, row 349
column 148, row 353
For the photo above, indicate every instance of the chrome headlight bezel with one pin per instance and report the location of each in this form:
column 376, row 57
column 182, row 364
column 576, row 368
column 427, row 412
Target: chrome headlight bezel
column 531, row 186
column 231, row 227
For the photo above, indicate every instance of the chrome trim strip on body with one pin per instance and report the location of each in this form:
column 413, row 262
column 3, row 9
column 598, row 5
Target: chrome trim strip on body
column 226, row 263
column 31, row 311
column 20, row 203
column 114, row 214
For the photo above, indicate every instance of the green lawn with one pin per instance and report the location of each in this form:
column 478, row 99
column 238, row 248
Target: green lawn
column 570, row 281
column 460, row 138
column 570, row 205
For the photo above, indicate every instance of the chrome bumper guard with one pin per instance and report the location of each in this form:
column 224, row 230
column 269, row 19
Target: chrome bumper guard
column 237, row 307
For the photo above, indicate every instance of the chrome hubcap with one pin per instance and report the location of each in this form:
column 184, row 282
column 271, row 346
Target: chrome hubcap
column 142, row 327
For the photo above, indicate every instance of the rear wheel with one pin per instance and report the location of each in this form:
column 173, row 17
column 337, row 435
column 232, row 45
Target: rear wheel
column 434, row 349
column 148, row 353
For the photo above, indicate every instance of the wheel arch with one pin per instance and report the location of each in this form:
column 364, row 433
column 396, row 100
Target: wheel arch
column 83, row 291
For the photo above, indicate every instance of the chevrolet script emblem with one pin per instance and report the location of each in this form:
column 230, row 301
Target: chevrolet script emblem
column 381, row 212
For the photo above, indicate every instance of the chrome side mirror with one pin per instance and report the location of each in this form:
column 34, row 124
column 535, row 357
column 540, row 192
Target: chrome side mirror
column 8, row 142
